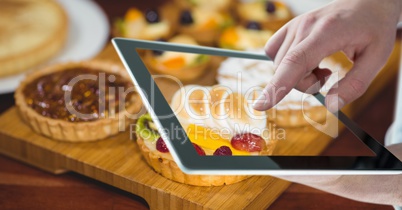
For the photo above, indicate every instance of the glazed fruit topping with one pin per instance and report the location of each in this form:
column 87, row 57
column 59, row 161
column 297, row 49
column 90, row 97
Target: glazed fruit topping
column 161, row 146
column 186, row 18
column 252, row 25
column 152, row 16
column 248, row 142
column 270, row 7
column 199, row 150
column 223, row 151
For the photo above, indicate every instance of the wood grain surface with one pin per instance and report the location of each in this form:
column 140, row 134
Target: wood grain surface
column 23, row 187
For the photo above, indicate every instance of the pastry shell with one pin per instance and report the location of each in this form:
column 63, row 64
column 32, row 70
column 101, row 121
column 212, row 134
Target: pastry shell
column 169, row 169
column 80, row 131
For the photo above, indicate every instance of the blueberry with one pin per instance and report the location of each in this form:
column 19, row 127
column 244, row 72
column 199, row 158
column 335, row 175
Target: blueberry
column 152, row 16
column 186, row 18
column 270, row 7
column 252, row 25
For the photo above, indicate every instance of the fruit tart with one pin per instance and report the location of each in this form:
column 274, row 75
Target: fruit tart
column 183, row 66
column 147, row 25
column 240, row 133
column 297, row 108
column 214, row 5
column 270, row 14
column 77, row 102
column 202, row 24
column 242, row 38
column 31, row 32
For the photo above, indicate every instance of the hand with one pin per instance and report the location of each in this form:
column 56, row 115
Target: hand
column 364, row 30
column 380, row 189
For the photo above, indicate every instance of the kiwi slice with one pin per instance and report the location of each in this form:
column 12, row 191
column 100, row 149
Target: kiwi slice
column 146, row 128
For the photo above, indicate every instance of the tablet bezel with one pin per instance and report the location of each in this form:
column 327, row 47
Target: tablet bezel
column 191, row 163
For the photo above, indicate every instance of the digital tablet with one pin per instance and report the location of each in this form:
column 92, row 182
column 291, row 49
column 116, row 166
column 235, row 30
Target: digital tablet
column 295, row 147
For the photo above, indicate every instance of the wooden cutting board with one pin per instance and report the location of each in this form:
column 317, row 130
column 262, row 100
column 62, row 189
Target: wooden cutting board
column 118, row 162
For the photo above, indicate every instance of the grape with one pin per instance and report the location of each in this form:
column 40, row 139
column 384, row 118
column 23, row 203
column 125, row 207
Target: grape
column 270, row 7
column 223, row 151
column 252, row 25
column 186, row 18
column 152, row 16
column 161, row 146
column 248, row 142
column 199, row 150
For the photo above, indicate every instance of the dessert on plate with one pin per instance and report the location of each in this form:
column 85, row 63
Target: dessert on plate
column 77, row 101
column 202, row 24
column 217, row 122
column 297, row 108
column 183, row 66
column 150, row 24
column 242, row 38
column 271, row 14
column 31, row 32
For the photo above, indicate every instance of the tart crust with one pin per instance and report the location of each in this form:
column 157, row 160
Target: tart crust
column 80, row 131
column 42, row 51
column 169, row 169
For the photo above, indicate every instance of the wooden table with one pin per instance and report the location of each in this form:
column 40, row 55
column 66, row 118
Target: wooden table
column 24, row 187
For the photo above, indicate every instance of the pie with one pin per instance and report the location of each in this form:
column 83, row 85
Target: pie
column 296, row 109
column 31, row 32
column 183, row 66
column 74, row 102
column 242, row 133
column 271, row 14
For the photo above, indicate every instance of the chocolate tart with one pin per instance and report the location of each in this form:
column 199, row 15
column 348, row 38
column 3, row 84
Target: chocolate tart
column 41, row 101
column 31, row 32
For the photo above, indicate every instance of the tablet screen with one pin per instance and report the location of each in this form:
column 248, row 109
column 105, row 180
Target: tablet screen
column 201, row 111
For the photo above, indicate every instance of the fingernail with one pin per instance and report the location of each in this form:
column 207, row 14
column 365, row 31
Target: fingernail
column 260, row 102
column 335, row 103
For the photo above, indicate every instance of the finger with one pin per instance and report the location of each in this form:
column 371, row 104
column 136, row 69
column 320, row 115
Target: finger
column 313, row 82
column 275, row 42
column 303, row 57
column 284, row 48
column 355, row 83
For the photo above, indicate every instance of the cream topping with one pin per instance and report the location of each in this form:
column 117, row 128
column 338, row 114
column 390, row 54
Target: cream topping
column 220, row 108
column 245, row 75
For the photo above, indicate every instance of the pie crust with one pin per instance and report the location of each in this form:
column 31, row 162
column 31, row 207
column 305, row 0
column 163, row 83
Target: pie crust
column 169, row 169
column 75, row 131
column 35, row 30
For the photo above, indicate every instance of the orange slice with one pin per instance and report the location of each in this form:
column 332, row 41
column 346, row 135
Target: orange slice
column 229, row 36
column 209, row 139
column 210, row 24
column 133, row 14
column 174, row 63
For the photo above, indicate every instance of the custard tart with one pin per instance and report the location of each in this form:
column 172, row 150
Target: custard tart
column 75, row 102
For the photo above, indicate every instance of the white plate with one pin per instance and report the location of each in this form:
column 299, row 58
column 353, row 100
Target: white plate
column 88, row 32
